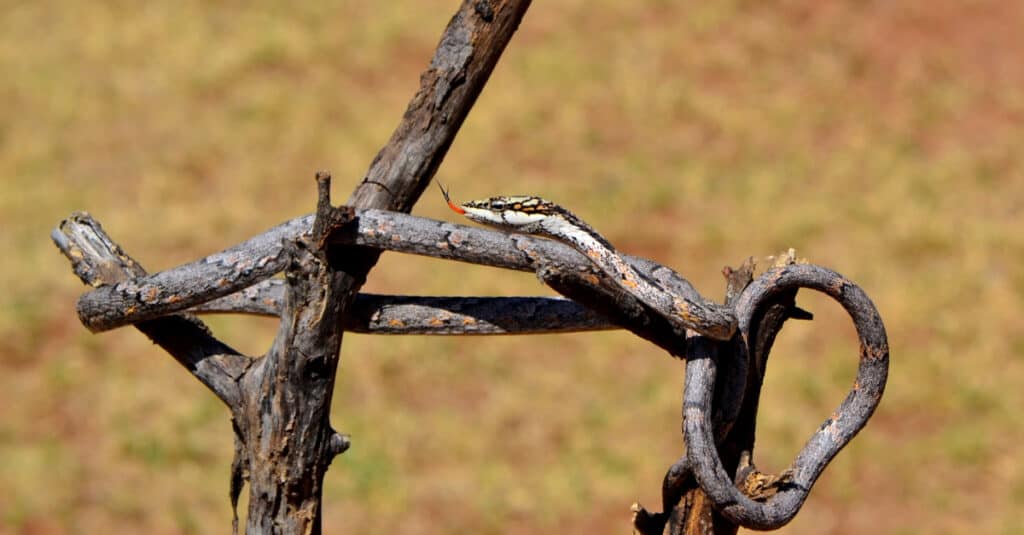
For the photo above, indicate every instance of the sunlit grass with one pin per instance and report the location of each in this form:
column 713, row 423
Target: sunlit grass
column 877, row 140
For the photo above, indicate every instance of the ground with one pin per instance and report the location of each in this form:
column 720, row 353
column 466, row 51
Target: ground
column 880, row 139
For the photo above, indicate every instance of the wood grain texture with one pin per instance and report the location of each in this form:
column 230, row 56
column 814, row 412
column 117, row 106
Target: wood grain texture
column 284, row 440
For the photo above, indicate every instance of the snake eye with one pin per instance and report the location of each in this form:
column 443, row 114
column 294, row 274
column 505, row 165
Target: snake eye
column 497, row 204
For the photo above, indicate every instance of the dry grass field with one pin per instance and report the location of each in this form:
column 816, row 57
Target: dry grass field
column 882, row 139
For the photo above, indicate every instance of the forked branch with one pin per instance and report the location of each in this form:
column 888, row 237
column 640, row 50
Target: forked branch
column 98, row 261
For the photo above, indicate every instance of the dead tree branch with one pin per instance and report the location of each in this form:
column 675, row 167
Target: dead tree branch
column 280, row 402
column 98, row 261
column 406, row 314
column 294, row 388
column 747, row 497
column 239, row 267
column 715, row 487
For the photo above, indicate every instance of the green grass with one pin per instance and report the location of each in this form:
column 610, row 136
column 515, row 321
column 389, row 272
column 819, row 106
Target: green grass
column 882, row 141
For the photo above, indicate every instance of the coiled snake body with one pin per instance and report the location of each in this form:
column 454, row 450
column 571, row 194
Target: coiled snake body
column 533, row 215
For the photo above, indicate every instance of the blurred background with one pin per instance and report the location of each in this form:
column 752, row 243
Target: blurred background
column 881, row 139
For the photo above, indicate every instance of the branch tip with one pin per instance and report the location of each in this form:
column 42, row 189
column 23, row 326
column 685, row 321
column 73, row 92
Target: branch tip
column 340, row 443
column 645, row 522
column 323, row 184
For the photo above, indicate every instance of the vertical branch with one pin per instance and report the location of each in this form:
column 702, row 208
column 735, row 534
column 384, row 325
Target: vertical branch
column 288, row 423
column 686, row 510
column 740, row 438
column 284, row 439
column 463, row 61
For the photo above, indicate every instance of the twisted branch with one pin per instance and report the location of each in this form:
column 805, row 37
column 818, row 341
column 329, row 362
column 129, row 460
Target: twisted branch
column 777, row 499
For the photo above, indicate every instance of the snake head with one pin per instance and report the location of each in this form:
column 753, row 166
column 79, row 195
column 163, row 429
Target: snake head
column 520, row 212
column 529, row 214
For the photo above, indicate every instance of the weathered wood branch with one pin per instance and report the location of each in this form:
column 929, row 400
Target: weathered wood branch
column 280, row 402
column 284, row 421
column 715, row 487
column 568, row 270
column 131, row 300
column 469, row 49
column 685, row 508
column 761, row 331
column 405, row 314
column 284, row 441
column 759, row 326
column 756, row 500
column 369, row 314
column 98, row 260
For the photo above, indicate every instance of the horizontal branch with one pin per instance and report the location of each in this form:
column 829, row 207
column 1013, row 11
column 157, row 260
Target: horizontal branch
column 224, row 273
column 175, row 290
column 399, row 314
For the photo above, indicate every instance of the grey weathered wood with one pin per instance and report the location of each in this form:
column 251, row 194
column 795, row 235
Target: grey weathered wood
column 235, row 269
column 780, row 497
column 463, row 61
column 405, row 314
column 98, row 260
column 280, row 402
column 715, row 487
column 685, row 507
column 369, row 313
column 284, row 440
column 145, row 297
column 564, row 268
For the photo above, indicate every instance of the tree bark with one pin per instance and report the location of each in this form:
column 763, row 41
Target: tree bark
column 280, row 402
column 284, row 440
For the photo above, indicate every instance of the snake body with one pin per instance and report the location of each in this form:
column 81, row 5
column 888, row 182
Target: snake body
column 529, row 214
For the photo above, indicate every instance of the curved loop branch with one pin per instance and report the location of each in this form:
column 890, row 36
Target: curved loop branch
column 778, row 499
column 685, row 508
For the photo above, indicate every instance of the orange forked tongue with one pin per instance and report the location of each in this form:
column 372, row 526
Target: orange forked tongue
column 455, row 208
